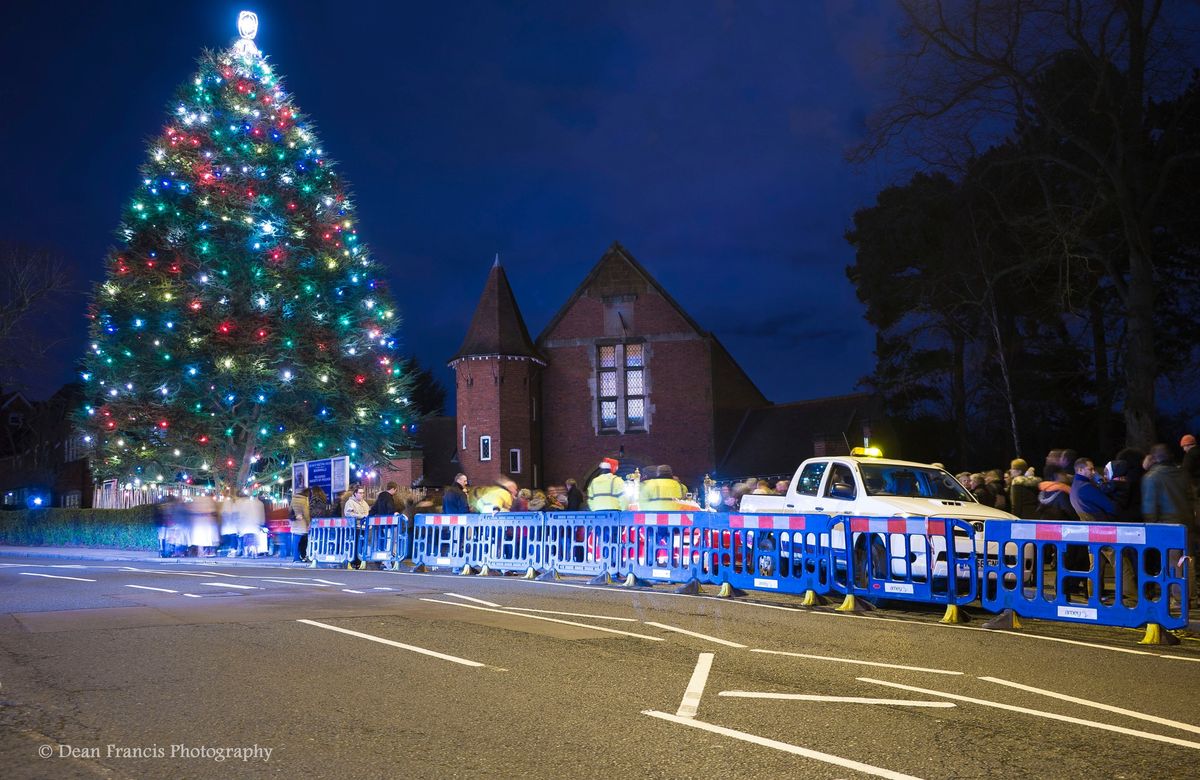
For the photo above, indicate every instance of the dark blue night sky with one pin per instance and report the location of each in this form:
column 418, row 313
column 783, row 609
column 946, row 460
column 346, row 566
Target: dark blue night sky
column 707, row 137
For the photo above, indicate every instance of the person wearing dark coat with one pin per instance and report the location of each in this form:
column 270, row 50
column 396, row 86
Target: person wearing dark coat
column 574, row 496
column 1120, row 491
column 454, row 502
column 1166, row 493
column 385, row 502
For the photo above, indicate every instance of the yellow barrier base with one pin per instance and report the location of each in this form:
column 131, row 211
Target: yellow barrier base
column 1156, row 636
column 811, row 599
column 849, row 604
column 725, row 591
column 530, row 574
column 953, row 616
column 484, row 571
column 631, row 581
column 466, row 569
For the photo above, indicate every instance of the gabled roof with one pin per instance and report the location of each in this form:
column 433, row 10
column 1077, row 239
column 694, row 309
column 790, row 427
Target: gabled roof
column 773, row 440
column 615, row 260
column 497, row 329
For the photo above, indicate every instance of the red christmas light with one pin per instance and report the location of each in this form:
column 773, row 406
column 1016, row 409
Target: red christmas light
column 224, row 328
column 194, row 305
column 203, row 439
column 162, row 424
column 361, row 379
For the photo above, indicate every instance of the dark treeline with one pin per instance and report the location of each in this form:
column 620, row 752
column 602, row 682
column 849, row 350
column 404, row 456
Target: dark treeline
column 1035, row 292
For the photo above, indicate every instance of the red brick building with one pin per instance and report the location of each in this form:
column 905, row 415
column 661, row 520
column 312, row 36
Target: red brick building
column 621, row 371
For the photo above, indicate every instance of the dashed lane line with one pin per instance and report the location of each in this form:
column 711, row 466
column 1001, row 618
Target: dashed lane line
column 834, row 699
column 816, row 755
column 856, row 661
column 55, row 576
column 471, row 598
column 229, row 585
column 705, row 637
column 147, row 587
column 547, row 619
column 296, row 582
column 695, row 687
column 1096, row 705
column 348, row 590
column 391, row 643
column 1039, row 713
column 573, row 614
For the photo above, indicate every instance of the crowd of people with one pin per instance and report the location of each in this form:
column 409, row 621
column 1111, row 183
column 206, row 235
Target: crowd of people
column 1135, row 487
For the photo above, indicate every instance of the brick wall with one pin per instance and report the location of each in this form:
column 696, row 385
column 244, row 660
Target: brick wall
column 494, row 399
column 678, row 382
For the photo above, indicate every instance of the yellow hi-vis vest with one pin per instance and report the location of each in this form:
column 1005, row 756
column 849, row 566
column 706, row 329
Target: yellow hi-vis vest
column 661, row 494
column 607, row 491
column 490, row 498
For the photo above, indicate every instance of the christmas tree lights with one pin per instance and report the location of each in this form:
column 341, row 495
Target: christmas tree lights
column 242, row 324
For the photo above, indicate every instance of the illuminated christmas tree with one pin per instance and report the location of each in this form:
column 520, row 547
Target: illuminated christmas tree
column 242, row 324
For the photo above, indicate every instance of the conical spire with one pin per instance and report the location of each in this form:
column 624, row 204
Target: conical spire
column 497, row 327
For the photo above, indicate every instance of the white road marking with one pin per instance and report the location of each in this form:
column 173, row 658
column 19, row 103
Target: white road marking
column 1040, row 713
column 389, row 642
column 229, row 585
column 296, row 582
column 1097, row 705
column 548, row 620
column 1179, row 658
column 56, row 576
column 784, row 746
column 573, row 614
column 705, row 637
column 469, row 598
column 836, row 699
column 380, row 588
column 193, row 595
column 328, row 582
column 348, row 590
column 855, row 661
column 67, row 566
column 176, row 573
column 147, row 587
column 695, row 687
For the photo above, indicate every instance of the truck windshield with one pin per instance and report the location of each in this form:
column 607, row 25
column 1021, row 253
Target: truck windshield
column 881, row 479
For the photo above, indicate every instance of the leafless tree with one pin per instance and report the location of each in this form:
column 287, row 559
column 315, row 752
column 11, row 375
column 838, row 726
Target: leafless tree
column 32, row 281
column 971, row 72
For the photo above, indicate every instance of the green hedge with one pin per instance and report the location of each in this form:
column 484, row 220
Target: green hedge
column 129, row 529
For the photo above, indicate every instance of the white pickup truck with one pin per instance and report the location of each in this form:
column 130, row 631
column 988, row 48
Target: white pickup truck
column 877, row 487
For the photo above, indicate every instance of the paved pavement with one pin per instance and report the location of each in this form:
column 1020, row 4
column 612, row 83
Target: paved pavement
column 146, row 667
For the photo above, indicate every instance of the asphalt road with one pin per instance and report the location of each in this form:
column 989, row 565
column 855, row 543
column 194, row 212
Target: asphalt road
column 198, row 669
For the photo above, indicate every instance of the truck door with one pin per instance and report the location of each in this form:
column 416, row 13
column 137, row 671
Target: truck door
column 839, row 489
column 808, row 488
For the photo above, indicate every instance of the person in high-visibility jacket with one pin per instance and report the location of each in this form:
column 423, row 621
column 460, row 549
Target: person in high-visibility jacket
column 493, row 498
column 607, row 490
column 662, row 493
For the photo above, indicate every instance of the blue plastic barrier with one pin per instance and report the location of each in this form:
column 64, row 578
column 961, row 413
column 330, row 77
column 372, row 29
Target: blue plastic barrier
column 664, row 546
column 385, row 540
column 1062, row 571
column 440, row 541
column 930, row 560
column 506, row 541
column 782, row 553
column 583, row 543
column 332, row 541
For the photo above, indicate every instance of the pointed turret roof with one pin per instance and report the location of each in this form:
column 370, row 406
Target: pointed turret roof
column 497, row 329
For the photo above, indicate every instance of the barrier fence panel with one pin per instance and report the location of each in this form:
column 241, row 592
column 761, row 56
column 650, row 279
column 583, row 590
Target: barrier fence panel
column 332, row 540
column 440, row 541
column 506, row 541
column 930, row 560
column 385, row 540
column 1121, row 574
column 664, row 546
column 584, row 543
column 784, row 553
